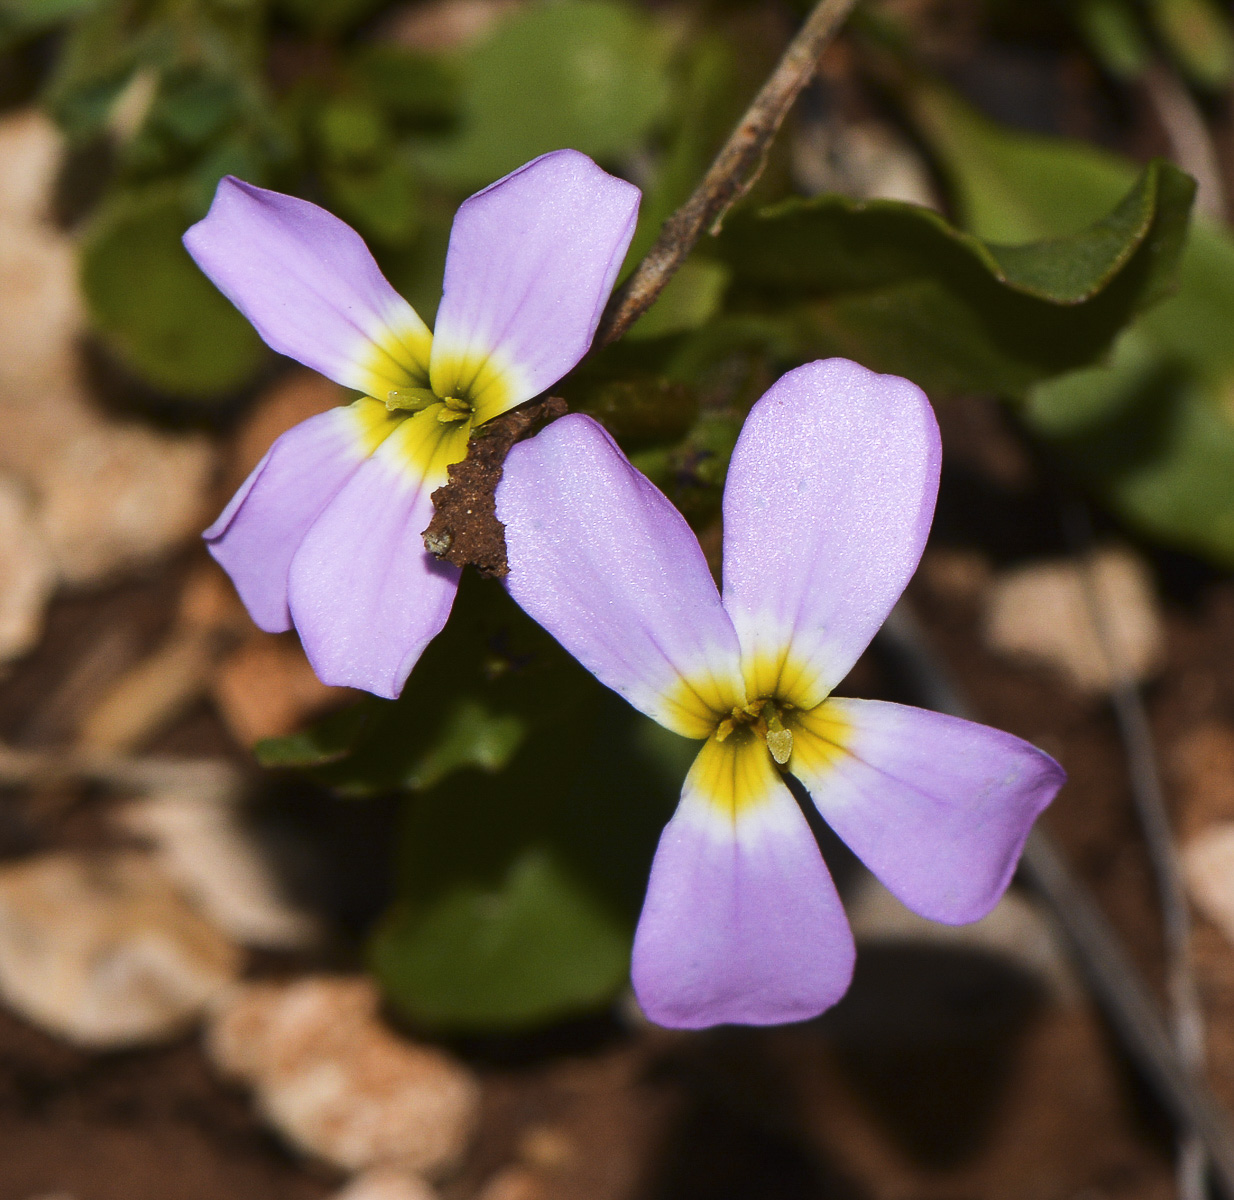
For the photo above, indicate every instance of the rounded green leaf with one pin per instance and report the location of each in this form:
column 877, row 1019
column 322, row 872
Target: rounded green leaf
column 589, row 74
column 154, row 309
column 535, row 946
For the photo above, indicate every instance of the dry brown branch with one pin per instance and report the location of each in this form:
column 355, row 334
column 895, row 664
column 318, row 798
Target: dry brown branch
column 731, row 175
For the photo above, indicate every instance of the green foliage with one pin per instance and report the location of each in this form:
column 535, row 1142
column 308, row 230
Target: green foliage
column 525, row 948
column 22, row 18
column 155, row 310
column 899, row 289
column 1114, row 33
column 1152, row 432
column 591, row 74
column 536, row 797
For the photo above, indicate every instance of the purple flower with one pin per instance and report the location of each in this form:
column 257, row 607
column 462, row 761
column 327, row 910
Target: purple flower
column 326, row 532
column 829, row 499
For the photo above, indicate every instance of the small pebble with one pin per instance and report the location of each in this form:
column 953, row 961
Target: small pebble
column 1208, row 868
column 1041, row 613
column 384, row 1183
column 337, row 1082
column 266, row 688
column 514, row 1183
column 103, row 950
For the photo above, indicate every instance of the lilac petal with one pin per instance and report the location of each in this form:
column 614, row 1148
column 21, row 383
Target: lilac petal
column 829, row 500
column 310, row 287
column 938, row 808
column 609, row 567
column 531, row 262
column 258, row 532
column 741, row 923
column 366, row 596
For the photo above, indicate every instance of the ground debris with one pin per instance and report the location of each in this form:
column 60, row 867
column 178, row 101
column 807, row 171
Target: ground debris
column 465, row 528
column 1042, row 612
column 336, row 1081
column 103, row 951
column 385, row 1183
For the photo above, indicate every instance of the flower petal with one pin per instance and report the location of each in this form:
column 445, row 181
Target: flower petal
column 310, row 287
column 531, row 262
column 829, row 500
column 366, row 596
column 938, row 808
column 611, row 569
column 257, row 533
column 741, row 922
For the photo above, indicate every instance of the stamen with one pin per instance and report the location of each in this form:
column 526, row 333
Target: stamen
column 454, row 408
column 409, row 399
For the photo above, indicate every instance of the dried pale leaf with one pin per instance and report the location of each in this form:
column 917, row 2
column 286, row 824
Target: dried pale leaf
column 267, row 689
column 27, row 573
column 150, row 696
column 118, row 496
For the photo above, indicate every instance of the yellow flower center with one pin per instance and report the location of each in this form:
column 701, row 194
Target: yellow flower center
column 764, row 719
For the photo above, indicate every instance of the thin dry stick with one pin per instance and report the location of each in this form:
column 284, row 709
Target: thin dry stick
column 736, row 168
column 1148, row 795
column 1189, row 137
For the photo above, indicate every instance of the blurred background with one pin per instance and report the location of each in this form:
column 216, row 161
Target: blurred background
column 264, row 938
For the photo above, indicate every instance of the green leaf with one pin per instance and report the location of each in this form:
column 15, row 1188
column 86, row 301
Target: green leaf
column 521, row 890
column 20, row 18
column 692, row 297
column 1152, row 431
column 535, row 799
column 1114, row 33
column 1013, row 187
column 470, row 736
column 532, row 947
column 589, row 74
column 152, row 306
column 899, row 289
column 412, row 88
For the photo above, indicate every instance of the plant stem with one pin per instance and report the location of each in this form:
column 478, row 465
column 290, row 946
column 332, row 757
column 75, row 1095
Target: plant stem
column 730, row 176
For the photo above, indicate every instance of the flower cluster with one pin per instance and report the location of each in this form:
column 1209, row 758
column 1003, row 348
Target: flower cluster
column 828, row 502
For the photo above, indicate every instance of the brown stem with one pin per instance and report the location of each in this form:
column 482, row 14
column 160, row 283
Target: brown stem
column 734, row 172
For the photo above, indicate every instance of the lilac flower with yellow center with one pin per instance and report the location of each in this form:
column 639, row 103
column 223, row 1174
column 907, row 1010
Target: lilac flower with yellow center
column 325, row 534
column 829, row 498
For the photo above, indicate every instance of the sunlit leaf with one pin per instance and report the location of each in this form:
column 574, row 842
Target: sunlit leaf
column 899, row 289
column 1152, row 432
column 589, row 74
